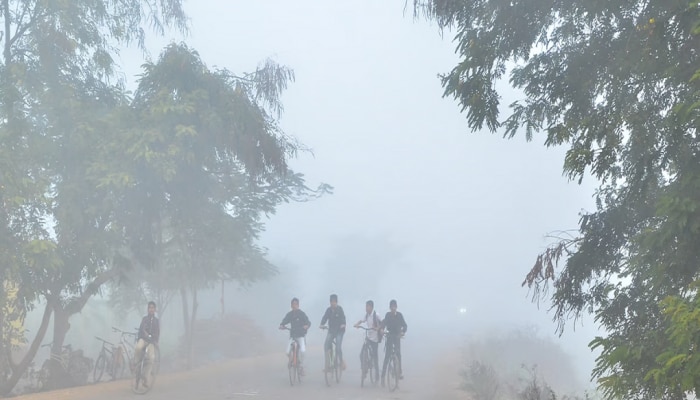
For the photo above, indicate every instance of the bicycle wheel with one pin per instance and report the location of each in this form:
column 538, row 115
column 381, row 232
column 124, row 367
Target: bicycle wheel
column 298, row 366
column 137, row 379
column 364, row 363
column 99, row 367
column 138, row 385
column 292, row 366
column 338, row 368
column 328, row 370
column 393, row 373
column 372, row 371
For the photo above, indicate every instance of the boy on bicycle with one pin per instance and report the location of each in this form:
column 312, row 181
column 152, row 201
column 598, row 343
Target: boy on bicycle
column 396, row 327
column 335, row 316
column 149, row 333
column 374, row 336
column 299, row 326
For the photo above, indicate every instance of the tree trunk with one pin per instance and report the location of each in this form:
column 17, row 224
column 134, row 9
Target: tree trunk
column 186, row 322
column 19, row 369
column 58, row 376
column 192, row 322
column 223, row 309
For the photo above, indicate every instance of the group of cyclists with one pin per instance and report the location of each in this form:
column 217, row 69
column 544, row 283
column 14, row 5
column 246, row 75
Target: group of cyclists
column 393, row 326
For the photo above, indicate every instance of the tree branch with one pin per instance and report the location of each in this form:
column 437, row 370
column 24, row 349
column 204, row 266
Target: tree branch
column 77, row 303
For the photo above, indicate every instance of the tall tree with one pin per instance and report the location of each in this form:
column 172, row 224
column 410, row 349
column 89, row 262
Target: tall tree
column 206, row 161
column 53, row 53
column 617, row 83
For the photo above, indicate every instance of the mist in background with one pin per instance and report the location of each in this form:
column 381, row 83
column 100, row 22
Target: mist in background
column 423, row 211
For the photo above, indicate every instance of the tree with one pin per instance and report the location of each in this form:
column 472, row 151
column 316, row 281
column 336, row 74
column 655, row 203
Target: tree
column 205, row 162
column 54, row 53
column 617, row 82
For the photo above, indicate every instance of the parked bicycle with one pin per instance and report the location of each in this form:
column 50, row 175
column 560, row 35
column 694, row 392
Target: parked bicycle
column 124, row 352
column 332, row 364
column 106, row 361
column 72, row 367
column 393, row 372
column 368, row 360
column 141, row 383
column 293, row 363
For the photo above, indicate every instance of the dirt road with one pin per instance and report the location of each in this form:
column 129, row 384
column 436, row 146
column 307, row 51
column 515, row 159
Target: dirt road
column 265, row 377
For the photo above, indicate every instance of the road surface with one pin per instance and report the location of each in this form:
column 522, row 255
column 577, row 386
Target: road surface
column 266, row 377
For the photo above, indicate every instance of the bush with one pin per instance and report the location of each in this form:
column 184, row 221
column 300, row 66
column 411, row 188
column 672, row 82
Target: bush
column 480, row 381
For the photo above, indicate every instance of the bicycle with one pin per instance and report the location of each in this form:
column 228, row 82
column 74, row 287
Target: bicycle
column 139, row 379
column 124, row 352
column 367, row 360
column 293, row 364
column 106, row 360
column 394, row 366
column 72, row 364
column 332, row 365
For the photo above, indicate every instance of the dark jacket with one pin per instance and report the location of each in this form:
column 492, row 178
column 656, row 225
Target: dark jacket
column 335, row 319
column 149, row 326
column 297, row 319
column 395, row 325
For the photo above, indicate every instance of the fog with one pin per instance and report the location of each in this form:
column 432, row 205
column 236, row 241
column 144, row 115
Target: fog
column 423, row 211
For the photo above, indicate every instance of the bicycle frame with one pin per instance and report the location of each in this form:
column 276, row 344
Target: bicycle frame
column 107, row 355
column 394, row 366
column 293, row 365
column 126, row 348
column 368, row 365
column 332, row 365
column 140, row 369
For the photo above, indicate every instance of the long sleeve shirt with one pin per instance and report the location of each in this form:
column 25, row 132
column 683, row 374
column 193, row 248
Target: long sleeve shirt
column 394, row 323
column 372, row 321
column 149, row 326
column 298, row 319
column 335, row 318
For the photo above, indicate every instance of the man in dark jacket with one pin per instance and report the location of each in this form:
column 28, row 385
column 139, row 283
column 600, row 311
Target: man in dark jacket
column 297, row 332
column 336, row 328
column 396, row 327
column 149, row 333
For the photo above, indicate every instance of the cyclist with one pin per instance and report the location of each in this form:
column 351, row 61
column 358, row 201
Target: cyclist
column 149, row 333
column 372, row 321
column 299, row 326
column 335, row 316
column 396, row 327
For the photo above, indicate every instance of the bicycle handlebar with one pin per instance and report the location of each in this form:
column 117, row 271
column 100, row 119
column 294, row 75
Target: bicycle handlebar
column 102, row 340
column 367, row 329
column 114, row 329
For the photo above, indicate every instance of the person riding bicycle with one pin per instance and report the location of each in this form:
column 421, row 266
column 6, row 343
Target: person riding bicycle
column 149, row 333
column 336, row 328
column 374, row 336
column 300, row 323
column 396, row 327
